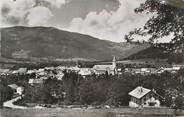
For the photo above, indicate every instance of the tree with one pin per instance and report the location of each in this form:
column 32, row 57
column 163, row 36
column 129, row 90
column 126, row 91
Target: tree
column 169, row 20
column 71, row 81
column 179, row 102
column 5, row 92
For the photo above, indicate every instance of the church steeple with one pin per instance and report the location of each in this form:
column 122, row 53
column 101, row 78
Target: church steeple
column 114, row 61
column 77, row 64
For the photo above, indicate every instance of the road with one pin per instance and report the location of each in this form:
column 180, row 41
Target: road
column 10, row 104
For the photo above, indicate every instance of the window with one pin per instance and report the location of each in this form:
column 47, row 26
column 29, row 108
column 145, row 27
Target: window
column 152, row 103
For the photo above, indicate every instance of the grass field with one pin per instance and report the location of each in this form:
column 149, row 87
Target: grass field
column 121, row 112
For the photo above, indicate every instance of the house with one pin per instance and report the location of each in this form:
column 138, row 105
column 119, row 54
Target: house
column 177, row 66
column 4, row 71
column 20, row 90
column 60, row 75
column 40, row 72
column 13, row 87
column 85, row 72
column 143, row 97
column 17, row 89
column 31, row 71
column 35, row 81
column 22, row 70
column 102, row 69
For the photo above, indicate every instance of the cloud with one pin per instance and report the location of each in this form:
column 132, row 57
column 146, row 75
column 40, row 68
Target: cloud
column 56, row 3
column 38, row 16
column 110, row 25
column 27, row 12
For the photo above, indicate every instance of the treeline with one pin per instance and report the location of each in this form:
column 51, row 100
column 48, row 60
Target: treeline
column 158, row 52
column 37, row 65
column 151, row 52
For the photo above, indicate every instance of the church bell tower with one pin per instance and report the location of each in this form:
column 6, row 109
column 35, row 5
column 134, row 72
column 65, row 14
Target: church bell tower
column 114, row 61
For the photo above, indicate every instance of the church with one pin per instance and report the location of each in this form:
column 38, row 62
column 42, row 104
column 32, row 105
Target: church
column 102, row 69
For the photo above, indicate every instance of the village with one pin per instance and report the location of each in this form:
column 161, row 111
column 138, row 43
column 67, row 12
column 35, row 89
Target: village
column 92, row 58
column 138, row 96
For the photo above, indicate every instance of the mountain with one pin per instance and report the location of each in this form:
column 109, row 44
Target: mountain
column 51, row 43
column 159, row 51
column 150, row 53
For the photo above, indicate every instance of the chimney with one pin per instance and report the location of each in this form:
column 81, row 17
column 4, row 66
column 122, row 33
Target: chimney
column 140, row 89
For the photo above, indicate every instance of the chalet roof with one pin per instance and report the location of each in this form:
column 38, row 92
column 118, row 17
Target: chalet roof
column 139, row 92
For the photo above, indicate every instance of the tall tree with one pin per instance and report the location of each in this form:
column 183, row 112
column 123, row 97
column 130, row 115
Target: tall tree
column 168, row 20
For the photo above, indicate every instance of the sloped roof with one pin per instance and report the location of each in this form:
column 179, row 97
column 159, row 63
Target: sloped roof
column 85, row 71
column 13, row 86
column 103, row 67
column 139, row 92
column 35, row 81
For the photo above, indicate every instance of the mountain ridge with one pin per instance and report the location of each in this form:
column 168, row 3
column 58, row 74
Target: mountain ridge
column 52, row 43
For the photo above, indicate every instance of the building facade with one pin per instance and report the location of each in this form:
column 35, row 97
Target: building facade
column 103, row 69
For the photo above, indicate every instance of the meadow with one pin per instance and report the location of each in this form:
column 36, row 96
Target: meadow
column 61, row 112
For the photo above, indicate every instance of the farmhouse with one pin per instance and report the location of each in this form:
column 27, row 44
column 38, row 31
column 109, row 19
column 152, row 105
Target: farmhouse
column 143, row 97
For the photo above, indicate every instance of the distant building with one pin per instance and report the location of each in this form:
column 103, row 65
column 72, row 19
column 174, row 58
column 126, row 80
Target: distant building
column 60, row 75
column 177, row 66
column 4, row 71
column 22, row 70
column 31, row 71
column 85, row 72
column 35, row 81
column 143, row 97
column 102, row 69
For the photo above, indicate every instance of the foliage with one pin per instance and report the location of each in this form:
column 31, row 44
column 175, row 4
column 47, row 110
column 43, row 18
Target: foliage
column 71, row 82
column 179, row 102
column 5, row 92
column 168, row 20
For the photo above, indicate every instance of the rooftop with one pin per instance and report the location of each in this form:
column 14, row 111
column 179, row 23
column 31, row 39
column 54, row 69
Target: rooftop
column 139, row 92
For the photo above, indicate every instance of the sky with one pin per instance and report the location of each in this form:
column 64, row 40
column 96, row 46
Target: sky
column 104, row 19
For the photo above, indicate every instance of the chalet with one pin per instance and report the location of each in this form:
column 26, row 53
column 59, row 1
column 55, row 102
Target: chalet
column 143, row 97
column 102, row 69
